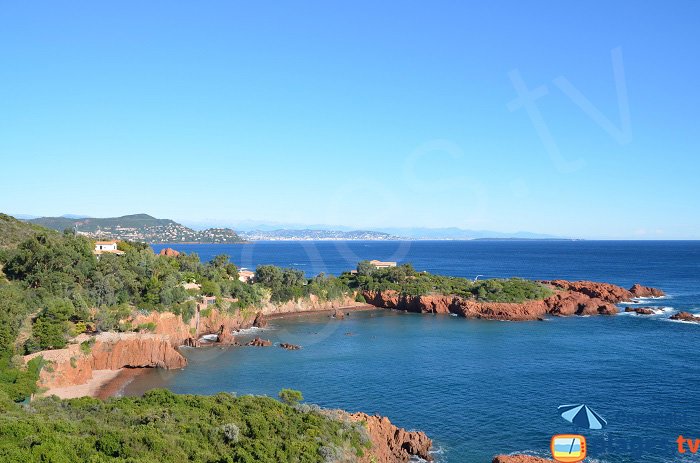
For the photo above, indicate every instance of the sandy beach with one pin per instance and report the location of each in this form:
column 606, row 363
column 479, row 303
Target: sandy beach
column 103, row 384
column 99, row 379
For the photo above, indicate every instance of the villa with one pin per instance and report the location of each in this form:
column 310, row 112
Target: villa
column 380, row 264
column 107, row 247
column 245, row 275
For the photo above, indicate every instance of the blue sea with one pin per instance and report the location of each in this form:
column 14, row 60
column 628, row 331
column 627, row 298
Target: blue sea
column 480, row 388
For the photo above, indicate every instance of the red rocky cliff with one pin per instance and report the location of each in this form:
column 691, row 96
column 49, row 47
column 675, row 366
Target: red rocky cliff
column 569, row 298
column 391, row 444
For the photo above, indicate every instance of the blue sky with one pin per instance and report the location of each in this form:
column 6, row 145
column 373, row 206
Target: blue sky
column 356, row 113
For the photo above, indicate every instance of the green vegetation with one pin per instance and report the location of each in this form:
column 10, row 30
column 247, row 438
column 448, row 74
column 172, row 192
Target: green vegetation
column 406, row 280
column 165, row 427
column 290, row 396
column 13, row 231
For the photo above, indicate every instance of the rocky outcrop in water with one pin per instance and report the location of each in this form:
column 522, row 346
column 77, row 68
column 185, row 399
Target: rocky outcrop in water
column 640, row 310
column 519, row 459
column 259, row 321
column 391, row 444
column 259, row 342
column 685, row 317
column 638, row 290
column 287, row 346
column 569, row 298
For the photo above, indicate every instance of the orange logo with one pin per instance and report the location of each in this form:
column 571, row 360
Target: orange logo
column 568, row 448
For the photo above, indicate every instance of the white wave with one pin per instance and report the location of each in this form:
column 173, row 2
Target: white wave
column 649, row 298
column 251, row 330
column 682, row 321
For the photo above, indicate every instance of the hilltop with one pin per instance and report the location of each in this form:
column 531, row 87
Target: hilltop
column 13, row 231
column 138, row 227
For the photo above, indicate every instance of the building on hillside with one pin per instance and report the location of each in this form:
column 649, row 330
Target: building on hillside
column 245, row 275
column 106, row 247
column 380, row 264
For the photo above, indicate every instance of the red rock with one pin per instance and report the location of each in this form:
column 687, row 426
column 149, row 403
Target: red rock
column 338, row 314
column 259, row 321
column 638, row 290
column 605, row 291
column 391, row 444
column 686, row 317
column 258, row 342
column 169, row 252
column 113, row 351
column 519, row 459
column 288, row 346
column 640, row 310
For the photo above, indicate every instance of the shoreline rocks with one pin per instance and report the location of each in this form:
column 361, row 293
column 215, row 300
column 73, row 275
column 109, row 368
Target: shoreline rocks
column 391, row 444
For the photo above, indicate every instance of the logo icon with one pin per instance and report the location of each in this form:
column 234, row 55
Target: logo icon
column 568, row 448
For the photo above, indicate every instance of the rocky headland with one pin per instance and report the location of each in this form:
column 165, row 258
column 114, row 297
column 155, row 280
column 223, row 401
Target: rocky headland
column 568, row 298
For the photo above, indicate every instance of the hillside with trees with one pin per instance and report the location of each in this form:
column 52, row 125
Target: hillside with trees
column 138, row 228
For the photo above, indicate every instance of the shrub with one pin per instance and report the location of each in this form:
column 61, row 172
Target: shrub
column 290, row 396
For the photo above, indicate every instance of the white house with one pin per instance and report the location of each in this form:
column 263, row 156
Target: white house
column 107, row 247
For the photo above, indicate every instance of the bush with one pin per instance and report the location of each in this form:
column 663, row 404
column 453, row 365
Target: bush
column 290, row 396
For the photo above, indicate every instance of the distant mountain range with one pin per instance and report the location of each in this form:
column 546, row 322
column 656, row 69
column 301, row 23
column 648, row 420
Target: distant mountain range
column 145, row 228
column 314, row 235
column 138, row 227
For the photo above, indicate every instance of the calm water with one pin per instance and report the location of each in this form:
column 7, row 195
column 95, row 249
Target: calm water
column 476, row 387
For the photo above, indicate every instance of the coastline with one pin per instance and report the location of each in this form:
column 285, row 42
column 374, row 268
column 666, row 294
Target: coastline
column 117, row 358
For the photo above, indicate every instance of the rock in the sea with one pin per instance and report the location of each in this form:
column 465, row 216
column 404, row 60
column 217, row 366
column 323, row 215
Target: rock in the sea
column 686, row 317
column 169, row 252
column 224, row 336
column 259, row 321
column 258, row 342
column 338, row 314
column 519, row 459
column 288, row 346
column 638, row 290
column 640, row 310
column 391, row 444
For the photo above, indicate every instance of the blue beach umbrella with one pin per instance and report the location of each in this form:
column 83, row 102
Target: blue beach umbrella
column 582, row 416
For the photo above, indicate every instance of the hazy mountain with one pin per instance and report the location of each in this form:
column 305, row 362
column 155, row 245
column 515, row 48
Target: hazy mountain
column 314, row 235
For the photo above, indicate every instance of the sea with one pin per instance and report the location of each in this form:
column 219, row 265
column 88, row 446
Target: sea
column 480, row 388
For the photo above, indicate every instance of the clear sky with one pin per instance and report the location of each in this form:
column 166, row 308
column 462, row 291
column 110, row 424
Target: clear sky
column 552, row 117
